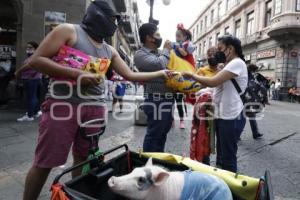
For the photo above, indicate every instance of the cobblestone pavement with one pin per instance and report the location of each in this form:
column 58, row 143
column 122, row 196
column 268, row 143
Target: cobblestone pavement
column 278, row 151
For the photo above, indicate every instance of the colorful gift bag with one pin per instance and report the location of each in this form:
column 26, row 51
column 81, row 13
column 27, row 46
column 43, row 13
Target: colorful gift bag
column 179, row 83
column 69, row 57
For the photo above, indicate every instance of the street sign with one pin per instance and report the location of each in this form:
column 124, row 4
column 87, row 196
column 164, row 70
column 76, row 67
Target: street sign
column 266, row 53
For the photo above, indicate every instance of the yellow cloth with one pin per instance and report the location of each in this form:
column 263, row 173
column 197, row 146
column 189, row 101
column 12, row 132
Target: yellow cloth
column 206, row 71
column 179, row 83
column 242, row 186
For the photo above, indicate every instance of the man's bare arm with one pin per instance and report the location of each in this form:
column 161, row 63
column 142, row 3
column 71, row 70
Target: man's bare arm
column 41, row 59
column 122, row 69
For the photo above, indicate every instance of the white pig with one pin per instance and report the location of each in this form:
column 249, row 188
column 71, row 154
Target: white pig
column 155, row 183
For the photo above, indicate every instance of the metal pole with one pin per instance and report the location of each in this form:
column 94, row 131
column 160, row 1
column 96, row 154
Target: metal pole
column 151, row 11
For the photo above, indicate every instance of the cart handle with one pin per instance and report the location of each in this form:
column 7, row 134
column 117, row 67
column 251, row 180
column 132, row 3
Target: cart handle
column 91, row 122
column 268, row 185
column 99, row 158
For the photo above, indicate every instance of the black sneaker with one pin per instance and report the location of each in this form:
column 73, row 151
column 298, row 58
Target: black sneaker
column 257, row 136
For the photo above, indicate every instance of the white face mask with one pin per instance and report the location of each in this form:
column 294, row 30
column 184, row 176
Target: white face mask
column 29, row 51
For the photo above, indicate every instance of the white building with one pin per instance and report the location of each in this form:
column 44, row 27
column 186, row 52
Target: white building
column 269, row 31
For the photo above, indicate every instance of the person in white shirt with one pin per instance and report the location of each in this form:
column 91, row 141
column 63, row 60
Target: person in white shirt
column 272, row 90
column 230, row 119
column 277, row 89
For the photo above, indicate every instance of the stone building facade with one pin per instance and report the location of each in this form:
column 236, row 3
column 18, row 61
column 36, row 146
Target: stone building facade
column 25, row 20
column 269, row 31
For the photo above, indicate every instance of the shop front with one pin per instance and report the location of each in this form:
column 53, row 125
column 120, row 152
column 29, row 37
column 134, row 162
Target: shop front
column 267, row 63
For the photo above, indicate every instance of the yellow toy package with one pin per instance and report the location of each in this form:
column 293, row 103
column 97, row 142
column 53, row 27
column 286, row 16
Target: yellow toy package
column 69, row 57
column 97, row 66
column 179, row 83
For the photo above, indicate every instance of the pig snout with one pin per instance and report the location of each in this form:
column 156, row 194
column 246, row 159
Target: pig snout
column 112, row 182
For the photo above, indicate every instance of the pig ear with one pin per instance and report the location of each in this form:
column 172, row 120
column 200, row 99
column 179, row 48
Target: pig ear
column 161, row 178
column 149, row 162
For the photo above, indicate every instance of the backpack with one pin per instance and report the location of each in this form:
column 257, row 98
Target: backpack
column 255, row 96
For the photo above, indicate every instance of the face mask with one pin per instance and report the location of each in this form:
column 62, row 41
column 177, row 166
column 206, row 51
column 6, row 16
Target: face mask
column 97, row 22
column 29, row 52
column 220, row 57
column 212, row 62
column 157, row 41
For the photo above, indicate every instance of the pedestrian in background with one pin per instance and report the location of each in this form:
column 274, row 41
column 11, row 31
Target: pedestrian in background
column 32, row 82
column 230, row 120
column 294, row 94
column 272, row 90
column 109, row 89
column 277, row 89
column 118, row 93
column 252, row 74
column 6, row 74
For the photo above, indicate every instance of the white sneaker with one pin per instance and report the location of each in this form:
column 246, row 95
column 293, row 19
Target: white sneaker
column 25, row 118
column 38, row 114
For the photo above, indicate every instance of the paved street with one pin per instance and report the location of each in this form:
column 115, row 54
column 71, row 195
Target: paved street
column 278, row 151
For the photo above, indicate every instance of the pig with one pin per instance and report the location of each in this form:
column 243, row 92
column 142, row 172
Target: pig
column 153, row 182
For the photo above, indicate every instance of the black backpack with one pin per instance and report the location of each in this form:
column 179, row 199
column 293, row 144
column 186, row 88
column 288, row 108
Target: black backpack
column 255, row 96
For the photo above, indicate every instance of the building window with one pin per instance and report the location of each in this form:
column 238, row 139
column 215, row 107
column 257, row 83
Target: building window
column 212, row 15
column 201, row 26
column 217, row 37
column 199, row 50
column 197, row 30
column 238, row 29
column 250, row 23
column 268, row 13
column 204, row 47
column 220, row 9
column 210, row 42
column 297, row 5
column 228, row 4
column 278, row 7
column 194, row 34
column 227, row 30
column 205, row 22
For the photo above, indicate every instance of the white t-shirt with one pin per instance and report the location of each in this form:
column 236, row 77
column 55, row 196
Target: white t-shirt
column 228, row 104
column 277, row 85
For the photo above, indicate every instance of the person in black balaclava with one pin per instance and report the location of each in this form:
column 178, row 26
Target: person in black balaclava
column 99, row 12
column 56, row 137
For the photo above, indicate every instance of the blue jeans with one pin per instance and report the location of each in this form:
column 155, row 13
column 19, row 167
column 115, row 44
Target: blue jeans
column 159, row 114
column 228, row 133
column 31, row 88
column 276, row 95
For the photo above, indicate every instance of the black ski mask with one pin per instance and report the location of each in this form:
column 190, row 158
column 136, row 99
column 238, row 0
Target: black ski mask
column 97, row 21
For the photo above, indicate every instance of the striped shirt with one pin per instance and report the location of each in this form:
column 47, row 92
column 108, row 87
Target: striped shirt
column 147, row 60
